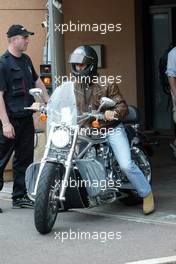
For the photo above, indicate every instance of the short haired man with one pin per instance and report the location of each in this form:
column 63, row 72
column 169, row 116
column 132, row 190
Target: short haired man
column 17, row 76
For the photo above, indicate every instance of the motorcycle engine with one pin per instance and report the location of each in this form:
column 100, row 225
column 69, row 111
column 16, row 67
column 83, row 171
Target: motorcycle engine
column 100, row 153
column 91, row 153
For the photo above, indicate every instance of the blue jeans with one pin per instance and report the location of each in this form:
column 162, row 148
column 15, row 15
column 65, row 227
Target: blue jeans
column 121, row 148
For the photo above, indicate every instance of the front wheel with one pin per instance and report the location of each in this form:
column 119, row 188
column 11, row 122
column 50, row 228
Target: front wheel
column 46, row 202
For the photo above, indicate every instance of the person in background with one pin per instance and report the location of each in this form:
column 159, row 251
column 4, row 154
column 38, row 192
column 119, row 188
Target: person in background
column 171, row 73
column 17, row 76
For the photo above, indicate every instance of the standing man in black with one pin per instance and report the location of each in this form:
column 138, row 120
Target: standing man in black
column 17, row 76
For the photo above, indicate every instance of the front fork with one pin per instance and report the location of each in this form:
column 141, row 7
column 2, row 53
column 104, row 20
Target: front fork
column 43, row 160
column 68, row 165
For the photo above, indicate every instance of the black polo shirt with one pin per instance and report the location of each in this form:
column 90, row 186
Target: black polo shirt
column 25, row 63
column 17, row 76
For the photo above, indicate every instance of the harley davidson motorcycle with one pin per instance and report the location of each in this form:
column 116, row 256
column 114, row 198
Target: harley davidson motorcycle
column 78, row 168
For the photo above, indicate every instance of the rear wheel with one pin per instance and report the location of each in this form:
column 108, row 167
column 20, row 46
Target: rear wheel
column 46, row 202
column 143, row 162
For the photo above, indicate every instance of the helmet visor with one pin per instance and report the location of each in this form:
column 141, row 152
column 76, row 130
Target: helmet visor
column 80, row 59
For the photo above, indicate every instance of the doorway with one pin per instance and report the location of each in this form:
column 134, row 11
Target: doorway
column 161, row 36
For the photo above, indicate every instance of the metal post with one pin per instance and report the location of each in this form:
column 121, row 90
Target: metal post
column 57, row 49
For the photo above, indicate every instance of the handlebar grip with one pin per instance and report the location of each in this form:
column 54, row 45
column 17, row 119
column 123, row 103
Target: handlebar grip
column 28, row 108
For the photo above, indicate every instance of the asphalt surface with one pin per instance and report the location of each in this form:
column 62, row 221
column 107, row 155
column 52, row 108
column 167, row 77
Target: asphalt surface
column 109, row 234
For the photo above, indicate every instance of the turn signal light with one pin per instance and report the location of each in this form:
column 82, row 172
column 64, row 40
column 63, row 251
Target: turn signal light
column 43, row 117
column 95, row 124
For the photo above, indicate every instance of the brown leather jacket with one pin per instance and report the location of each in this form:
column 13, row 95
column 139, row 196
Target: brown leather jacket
column 88, row 97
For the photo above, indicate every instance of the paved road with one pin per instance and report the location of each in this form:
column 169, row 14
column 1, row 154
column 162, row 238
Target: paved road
column 114, row 233
column 109, row 238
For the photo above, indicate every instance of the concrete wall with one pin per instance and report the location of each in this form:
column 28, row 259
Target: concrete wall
column 120, row 53
column 120, row 47
column 29, row 13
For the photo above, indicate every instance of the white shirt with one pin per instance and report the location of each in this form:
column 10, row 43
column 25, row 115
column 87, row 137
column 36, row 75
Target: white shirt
column 171, row 63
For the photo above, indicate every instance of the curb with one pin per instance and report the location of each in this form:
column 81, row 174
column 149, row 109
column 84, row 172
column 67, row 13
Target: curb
column 166, row 260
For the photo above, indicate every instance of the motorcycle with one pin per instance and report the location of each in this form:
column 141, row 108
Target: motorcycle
column 78, row 168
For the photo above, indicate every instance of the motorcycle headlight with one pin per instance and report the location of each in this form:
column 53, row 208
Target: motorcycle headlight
column 60, row 138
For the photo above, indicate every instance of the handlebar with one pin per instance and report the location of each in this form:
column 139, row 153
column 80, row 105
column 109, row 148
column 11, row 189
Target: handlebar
column 97, row 116
column 41, row 109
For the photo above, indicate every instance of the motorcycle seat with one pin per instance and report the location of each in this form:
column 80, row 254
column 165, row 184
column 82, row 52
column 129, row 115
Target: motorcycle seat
column 133, row 115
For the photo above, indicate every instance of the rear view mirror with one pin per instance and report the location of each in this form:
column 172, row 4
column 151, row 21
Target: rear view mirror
column 106, row 102
column 37, row 94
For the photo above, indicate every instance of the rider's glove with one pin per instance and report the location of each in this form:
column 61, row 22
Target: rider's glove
column 109, row 115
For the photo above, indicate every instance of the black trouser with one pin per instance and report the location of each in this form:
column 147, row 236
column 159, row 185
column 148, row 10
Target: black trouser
column 175, row 130
column 23, row 147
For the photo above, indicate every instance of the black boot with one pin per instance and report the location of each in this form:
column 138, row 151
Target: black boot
column 0, row 210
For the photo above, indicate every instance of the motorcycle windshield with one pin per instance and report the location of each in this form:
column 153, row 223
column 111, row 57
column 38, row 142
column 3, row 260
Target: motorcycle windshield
column 61, row 107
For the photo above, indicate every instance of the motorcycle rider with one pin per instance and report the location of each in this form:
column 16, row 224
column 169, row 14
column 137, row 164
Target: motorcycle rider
column 83, row 62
